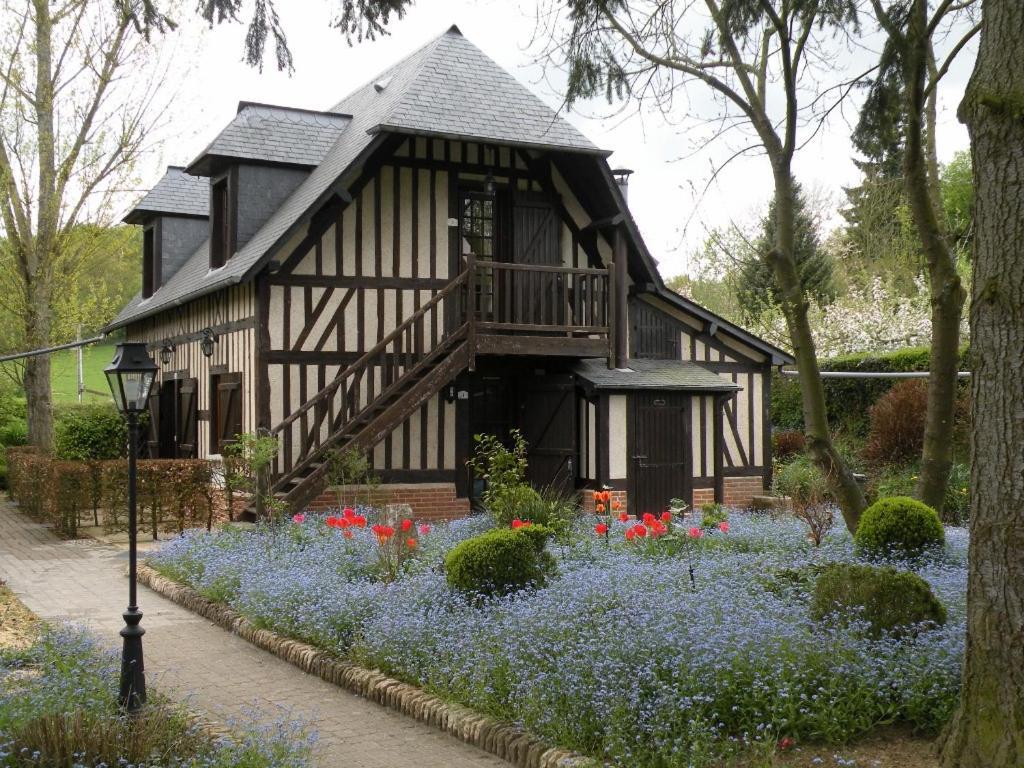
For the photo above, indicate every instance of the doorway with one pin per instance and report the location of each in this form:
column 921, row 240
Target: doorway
column 661, row 464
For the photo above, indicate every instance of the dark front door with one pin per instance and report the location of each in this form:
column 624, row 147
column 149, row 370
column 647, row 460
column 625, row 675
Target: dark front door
column 535, row 231
column 547, row 417
column 166, row 435
column 660, row 460
column 187, row 417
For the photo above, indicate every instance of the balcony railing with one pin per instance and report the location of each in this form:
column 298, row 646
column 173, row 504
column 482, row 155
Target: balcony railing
column 534, row 299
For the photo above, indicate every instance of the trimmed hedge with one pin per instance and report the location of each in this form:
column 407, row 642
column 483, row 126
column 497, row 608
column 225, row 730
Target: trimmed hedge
column 848, row 400
column 888, row 599
column 90, row 433
column 899, row 525
column 500, row 561
column 172, row 494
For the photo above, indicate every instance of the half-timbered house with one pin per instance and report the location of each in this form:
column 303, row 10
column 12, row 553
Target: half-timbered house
column 436, row 256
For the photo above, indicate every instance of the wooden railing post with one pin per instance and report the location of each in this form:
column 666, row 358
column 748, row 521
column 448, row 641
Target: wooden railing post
column 471, row 310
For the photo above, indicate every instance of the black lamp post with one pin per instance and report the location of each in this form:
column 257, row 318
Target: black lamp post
column 130, row 376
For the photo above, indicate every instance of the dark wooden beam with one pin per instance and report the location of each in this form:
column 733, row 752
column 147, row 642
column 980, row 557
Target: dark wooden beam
column 620, row 299
column 560, row 346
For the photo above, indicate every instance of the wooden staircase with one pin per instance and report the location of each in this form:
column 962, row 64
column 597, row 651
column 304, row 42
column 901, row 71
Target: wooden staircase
column 490, row 308
column 371, row 397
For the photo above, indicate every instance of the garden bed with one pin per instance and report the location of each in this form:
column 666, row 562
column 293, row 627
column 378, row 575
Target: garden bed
column 620, row 656
column 58, row 706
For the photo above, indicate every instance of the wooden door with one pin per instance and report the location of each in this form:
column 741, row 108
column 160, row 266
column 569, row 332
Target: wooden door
column 226, row 416
column 188, row 418
column 660, row 467
column 547, row 418
column 537, row 295
column 153, row 428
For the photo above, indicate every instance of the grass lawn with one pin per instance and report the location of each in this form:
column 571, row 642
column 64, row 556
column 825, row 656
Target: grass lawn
column 64, row 373
column 616, row 655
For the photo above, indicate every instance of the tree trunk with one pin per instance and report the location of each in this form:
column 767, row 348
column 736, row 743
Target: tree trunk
column 920, row 173
column 987, row 730
column 844, row 486
column 38, row 263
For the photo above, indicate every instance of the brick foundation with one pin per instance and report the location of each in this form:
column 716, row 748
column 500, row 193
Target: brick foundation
column 738, row 493
column 429, row 501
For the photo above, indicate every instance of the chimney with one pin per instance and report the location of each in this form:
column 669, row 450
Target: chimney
column 622, row 179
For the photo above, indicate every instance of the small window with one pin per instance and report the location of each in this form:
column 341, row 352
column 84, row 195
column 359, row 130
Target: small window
column 151, row 257
column 225, row 410
column 222, row 241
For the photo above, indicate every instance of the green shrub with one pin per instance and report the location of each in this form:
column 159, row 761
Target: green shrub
column 500, row 561
column 712, row 514
column 889, row 600
column 802, row 481
column 506, row 503
column 848, row 400
column 14, row 433
column 499, row 467
column 90, row 432
column 899, row 525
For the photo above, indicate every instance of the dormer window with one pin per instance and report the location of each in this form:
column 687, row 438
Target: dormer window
column 222, row 220
column 150, row 259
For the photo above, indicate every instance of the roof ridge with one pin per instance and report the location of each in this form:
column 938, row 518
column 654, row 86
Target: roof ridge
column 303, row 110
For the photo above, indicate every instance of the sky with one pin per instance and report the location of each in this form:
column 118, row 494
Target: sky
column 674, row 194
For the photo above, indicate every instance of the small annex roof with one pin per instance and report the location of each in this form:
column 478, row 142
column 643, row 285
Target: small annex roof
column 481, row 101
column 177, row 193
column 272, row 134
column 651, row 374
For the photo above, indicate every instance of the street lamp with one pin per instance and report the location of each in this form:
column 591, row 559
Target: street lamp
column 130, row 375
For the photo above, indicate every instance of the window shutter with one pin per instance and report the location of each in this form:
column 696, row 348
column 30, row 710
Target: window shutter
column 229, row 409
column 188, row 417
column 153, row 433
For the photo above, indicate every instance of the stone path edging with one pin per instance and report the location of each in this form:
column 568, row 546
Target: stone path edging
column 499, row 738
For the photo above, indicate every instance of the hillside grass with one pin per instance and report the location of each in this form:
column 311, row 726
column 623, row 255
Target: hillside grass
column 64, row 373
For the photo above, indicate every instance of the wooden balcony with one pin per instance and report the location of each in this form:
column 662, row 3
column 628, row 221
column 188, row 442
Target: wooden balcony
column 528, row 309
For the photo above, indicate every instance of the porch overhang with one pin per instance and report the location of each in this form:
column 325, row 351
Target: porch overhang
column 643, row 374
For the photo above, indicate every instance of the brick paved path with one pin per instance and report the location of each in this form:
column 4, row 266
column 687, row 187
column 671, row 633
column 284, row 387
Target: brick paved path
column 221, row 674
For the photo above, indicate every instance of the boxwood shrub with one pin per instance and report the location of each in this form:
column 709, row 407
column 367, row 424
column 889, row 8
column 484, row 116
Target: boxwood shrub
column 90, row 433
column 889, row 600
column 901, row 526
column 500, row 561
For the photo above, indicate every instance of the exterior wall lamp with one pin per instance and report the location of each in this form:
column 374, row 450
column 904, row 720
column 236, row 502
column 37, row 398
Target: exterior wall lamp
column 166, row 354
column 207, row 342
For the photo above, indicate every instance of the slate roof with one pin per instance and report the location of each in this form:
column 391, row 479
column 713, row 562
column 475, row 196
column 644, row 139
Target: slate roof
column 480, row 100
column 652, row 374
column 273, row 134
column 176, row 193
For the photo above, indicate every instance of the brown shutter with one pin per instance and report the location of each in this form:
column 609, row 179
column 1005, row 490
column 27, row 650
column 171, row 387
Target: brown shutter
column 153, row 432
column 188, row 417
column 229, row 409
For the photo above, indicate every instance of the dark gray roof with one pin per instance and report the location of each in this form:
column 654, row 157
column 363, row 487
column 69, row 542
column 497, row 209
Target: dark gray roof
column 175, row 193
column 652, row 374
column 459, row 91
column 446, row 67
column 273, row 134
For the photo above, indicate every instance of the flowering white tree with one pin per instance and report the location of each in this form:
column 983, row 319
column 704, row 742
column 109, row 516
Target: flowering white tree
column 872, row 319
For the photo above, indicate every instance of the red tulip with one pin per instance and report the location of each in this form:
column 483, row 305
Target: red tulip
column 639, row 530
column 616, row 504
column 406, row 525
column 342, row 522
column 695, row 533
column 648, row 518
column 659, row 528
column 299, row 519
column 723, row 526
column 605, row 495
column 348, row 533
column 411, row 543
column 348, row 512
column 424, row 530
column 517, row 523
column 600, row 529
column 331, row 521
column 786, row 742
column 597, row 496
column 630, row 534
column 383, row 532
column 666, row 517
column 600, row 509
column 359, row 521
column 623, row 517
